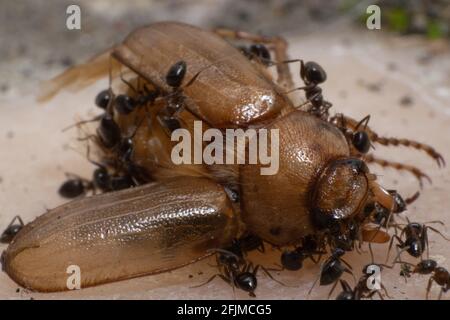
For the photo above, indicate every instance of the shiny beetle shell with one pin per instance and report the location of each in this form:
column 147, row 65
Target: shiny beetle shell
column 232, row 91
column 129, row 233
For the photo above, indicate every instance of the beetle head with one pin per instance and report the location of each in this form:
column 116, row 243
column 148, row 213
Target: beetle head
column 340, row 191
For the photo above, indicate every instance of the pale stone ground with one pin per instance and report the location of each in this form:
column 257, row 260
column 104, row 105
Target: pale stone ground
column 369, row 72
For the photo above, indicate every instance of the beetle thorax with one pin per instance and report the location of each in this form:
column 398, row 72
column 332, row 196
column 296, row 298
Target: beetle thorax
column 278, row 207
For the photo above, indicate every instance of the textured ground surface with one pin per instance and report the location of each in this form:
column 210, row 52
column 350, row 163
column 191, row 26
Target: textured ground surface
column 403, row 83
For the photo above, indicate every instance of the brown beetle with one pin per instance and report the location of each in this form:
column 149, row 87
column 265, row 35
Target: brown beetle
column 322, row 183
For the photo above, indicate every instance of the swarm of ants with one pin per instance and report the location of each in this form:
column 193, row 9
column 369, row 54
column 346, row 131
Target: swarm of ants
column 117, row 170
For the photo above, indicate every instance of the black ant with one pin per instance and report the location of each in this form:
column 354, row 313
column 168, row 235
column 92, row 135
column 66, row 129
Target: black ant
column 175, row 100
column 343, row 236
column 383, row 216
column 293, row 259
column 332, row 270
column 442, row 277
column 312, row 75
column 439, row 275
column 361, row 290
column 111, row 138
column 247, row 242
column 358, row 137
column 109, row 132
column 75, row 187
column 233, row 267
column 416, row 238
column 103, row 101
column 106, row 182
column 258, row 52
column 235, row 271
column 12, row 229
column 103, row 98
column 125, row 104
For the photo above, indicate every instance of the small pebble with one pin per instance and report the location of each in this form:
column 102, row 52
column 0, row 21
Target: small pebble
column 392, row 66
column 374, row 87
column 4, row 87
column 66, row 62
column 406, row 101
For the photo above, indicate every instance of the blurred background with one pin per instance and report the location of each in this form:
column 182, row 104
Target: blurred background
column 399, row 74
column 35, row 41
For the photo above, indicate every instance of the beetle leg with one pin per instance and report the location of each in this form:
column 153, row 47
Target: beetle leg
column 399, row 166
column 279, row 47
column 389, row 141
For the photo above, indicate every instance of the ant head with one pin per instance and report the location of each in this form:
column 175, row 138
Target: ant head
column 338, row 252
column 260, row 51
column 247, row 281
column 226, row 257
column 360, row 138
column 426, row 266
column 400, row 204
column 347, row 291
column 176, row 74
column 343, row 241
column 124, row 104
column 292, row 260
column 361, row 141
column 101, row 178
column 72, row 188
column 345, row 295
column 312, row 72
column 309, row 243
column 102, row 99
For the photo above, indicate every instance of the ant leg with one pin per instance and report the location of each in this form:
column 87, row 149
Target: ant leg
column 371, row 252
column 212, row 278
column 77, row 124
column 332, row 289
column 385, row 291
column 266, row 271
column 399, row 166
column 398, row 256
column 379, row 294
column 440, row 294
column 430, row 283
column 346, row 263
column 128, row 83
column 437, row 231
column 394, row 237
column 279, row 47
column 19, row 219
column 349, row 271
